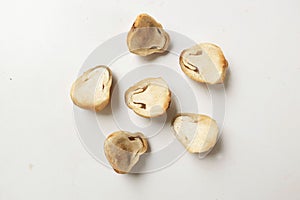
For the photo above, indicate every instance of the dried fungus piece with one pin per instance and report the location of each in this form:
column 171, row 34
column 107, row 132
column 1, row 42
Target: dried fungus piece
column 147, row 36
column 198, row 133
column 204, row 63
column 92, row 89
column 150, row 97
column 123, row 150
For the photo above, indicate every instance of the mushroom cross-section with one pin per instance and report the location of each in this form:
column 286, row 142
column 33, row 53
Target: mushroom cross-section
column 150, row 97
column 204, row 63
column 197, row 133
column 92, row 89
column 123, row 150
column 147, row 36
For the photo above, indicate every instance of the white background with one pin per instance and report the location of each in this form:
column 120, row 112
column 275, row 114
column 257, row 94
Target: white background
column 42, row 47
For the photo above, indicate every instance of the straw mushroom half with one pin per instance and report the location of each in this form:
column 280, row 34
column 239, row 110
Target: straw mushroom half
column 204, row 63
column 148, row 98
column 123, row 150
column 92, row 89
column 147, row 36
column 197, row 133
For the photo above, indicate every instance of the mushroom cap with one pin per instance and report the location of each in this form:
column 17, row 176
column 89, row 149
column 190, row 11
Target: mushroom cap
column 92, row 89
column 204, row 63
column 198, row 133
column 123, row 149
column 150, row 97
column 147, row 36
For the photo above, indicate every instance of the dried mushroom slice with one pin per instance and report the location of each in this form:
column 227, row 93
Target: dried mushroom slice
column 197, row 133
column 150, row 97
column 92, row 89
column 204, row 63
column 147, row 36
column 123, row 150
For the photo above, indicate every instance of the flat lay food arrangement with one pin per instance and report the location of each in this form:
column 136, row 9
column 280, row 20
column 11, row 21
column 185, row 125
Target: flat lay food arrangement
column 151, row 97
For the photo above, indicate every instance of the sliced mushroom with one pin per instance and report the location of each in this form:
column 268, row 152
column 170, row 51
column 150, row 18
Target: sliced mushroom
column 147, row 36
column 92, row 89
column 150, row 97
column 123, row 150
column 204, row 63
column 197, row 133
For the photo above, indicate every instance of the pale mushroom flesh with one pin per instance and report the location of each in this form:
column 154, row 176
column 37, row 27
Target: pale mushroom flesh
column 147, row 36
column 92, row 89
column 150, row 97
column 123, row 150
column 204, row 63
column 197, row 133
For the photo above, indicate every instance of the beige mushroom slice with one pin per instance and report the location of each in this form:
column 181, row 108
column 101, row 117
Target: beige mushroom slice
column 150, row 97
column 123, row 150
column 204, row 63
column 92, row 89
column 147, row 36
column 198, row 133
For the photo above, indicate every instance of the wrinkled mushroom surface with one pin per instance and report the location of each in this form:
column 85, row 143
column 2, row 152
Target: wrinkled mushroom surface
column 92, row 89
column 150, row 97
column 123, row 150
column 198, row 133
column 204, row 63
column 147, row 36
